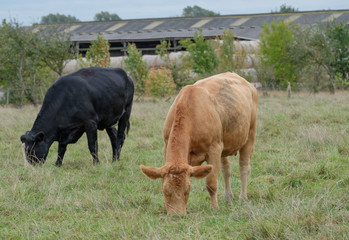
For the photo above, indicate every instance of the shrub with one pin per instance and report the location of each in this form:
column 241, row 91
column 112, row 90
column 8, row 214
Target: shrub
column 181, row 72
column 136, row 67
column 159, row 83
column 202, row 56
column 225, row 52
column 97, row 55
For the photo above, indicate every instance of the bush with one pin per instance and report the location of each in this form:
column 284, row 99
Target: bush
column 226, row 50
column 181, row 72
column 98, row 54
column 202, row 56
column 136, row 67
column 159, row 83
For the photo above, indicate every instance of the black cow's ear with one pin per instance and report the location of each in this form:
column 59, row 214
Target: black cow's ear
column 39, row 137
column 23, row 138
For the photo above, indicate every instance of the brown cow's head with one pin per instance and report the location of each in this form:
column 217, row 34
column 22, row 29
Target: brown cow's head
column 176, row 183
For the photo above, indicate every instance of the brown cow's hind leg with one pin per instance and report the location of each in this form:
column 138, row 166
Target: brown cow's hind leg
column 244, row 166
column 228, row 194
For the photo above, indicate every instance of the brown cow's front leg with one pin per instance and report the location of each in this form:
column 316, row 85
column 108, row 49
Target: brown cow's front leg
column 214, row 158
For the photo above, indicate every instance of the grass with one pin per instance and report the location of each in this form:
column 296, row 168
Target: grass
column 299, row 187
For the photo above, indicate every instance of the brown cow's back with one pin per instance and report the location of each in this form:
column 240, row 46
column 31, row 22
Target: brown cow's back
column 220, row 109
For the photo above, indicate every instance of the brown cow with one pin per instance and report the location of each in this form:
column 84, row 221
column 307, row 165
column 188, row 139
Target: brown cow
column 208, row 121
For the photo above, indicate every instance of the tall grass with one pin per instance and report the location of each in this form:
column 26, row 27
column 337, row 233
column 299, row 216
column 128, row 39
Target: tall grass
column 299, row 186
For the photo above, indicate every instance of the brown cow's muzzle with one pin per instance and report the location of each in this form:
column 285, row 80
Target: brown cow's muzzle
column 176, row 209
column 172, row 211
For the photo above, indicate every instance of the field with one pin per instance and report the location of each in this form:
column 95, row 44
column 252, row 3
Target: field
column 299, row 185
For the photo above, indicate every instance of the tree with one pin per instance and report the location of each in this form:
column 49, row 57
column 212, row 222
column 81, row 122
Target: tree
column 197, row 11
column 19, row 58
column 106, row 16
column 29, row 59
column 202, row 56
column 58, row 18
column 324, row 47
column 226, row 52
column 98, row 54
column 286, row 9
column 136, row 67
column 275, row 41
column 338, row 35
column 56, row 49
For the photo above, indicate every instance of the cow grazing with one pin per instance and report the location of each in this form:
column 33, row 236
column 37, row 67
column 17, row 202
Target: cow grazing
column 208, row 121
column 84, row 101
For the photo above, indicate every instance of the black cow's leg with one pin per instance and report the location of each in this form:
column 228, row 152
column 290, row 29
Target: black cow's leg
column 123, row 125
column 61, row 152
column 91, row 132
column 112, row 133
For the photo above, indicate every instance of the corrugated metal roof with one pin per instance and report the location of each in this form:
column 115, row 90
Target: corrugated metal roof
column 181, row 26
column 246, row 27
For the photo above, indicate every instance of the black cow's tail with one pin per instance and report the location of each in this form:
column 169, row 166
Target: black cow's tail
column 128, row 125
column 129, row 107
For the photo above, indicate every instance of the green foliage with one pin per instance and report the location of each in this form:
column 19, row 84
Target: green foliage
column 275, row 41
column 159, row 83
column 136, row 67
column 55, row 49
column 320, row 53
column 29, row 60
column 106, row 16
column 58, row 18
column 226, row 52
column 20, row 58
column 180, row 72
column 98, row 54
column 286, row 9
column 197, row 11
column 161, row 50
column 338, row 35
column 202, row 56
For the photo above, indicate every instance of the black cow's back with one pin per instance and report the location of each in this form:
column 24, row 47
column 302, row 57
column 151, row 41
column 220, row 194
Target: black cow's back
column 98, row 94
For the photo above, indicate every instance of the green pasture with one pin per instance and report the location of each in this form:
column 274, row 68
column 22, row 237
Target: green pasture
column 299, row 185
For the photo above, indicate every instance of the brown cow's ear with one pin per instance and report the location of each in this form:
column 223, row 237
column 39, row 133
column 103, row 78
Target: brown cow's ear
column 201, row 171
column 152, row 172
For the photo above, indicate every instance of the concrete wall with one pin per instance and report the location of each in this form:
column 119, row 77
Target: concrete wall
column 249, row 47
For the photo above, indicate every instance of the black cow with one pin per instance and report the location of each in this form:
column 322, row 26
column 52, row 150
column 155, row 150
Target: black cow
column 84, row 101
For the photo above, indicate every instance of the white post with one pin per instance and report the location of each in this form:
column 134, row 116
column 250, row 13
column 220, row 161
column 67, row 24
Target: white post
column 8, row 97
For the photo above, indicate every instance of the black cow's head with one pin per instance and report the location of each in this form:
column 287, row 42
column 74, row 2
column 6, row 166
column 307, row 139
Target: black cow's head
column 35, row 147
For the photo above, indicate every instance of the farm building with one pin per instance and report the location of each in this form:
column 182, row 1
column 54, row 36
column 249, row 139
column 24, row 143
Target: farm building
column 147, row 33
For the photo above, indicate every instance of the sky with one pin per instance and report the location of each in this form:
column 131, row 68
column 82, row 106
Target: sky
column 27, row 12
